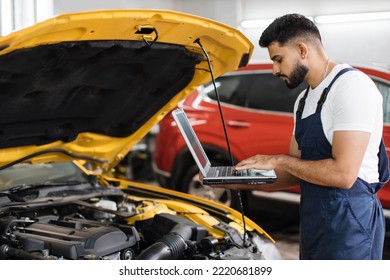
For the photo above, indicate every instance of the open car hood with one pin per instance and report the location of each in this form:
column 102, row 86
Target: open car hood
column 93, row 84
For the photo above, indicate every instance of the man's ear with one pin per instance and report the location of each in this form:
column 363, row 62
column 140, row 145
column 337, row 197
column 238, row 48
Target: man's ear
column 303, row 50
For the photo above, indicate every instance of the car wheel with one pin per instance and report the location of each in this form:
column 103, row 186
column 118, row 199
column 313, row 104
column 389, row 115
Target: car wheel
column 192, row 184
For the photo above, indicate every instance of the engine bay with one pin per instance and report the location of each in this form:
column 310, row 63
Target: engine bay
column 116, row 226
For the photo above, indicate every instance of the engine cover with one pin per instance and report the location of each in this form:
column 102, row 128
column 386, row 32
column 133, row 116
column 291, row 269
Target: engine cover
column 74, row 239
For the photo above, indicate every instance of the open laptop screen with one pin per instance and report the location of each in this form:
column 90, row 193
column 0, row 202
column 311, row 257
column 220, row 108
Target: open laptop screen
column 251, row 176
column 191, row 137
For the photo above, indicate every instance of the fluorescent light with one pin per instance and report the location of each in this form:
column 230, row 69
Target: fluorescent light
column 260, row 23
column 352, row 17
column 257, row 23
column 263, row 23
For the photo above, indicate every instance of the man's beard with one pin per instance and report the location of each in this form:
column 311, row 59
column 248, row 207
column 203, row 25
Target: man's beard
column 297, row 76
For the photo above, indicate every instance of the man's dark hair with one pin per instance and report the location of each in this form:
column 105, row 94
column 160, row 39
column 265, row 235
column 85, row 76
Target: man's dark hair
column 288, row 27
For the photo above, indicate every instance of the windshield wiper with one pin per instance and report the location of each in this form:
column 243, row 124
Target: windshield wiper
column 48, row 151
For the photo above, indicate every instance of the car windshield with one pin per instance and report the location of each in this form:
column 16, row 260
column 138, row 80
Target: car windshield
column 28, row 174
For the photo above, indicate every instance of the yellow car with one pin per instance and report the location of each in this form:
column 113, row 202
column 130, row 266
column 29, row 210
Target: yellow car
column 77, row 92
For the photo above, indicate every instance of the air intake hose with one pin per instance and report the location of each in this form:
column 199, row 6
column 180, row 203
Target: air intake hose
column 170, row 247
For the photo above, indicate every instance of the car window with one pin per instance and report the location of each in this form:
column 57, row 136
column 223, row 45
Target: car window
column 265, row 91
column 385, row 90
column 231, row 89
column 268, row 92
column 262, row 91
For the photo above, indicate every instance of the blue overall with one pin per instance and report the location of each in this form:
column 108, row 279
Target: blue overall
column 337, row 223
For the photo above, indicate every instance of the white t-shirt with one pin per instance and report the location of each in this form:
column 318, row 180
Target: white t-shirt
column 353, row 103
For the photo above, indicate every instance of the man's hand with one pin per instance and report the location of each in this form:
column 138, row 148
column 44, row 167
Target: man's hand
column 257, row 162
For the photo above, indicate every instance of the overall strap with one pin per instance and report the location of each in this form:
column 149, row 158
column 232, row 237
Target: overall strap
column 327, row 89
column 301, row 105
column 383, row 166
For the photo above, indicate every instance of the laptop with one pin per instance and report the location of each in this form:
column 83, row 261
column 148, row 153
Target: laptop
column 217, row 174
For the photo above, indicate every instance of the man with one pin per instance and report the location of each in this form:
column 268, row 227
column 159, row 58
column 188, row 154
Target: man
column 336, row 152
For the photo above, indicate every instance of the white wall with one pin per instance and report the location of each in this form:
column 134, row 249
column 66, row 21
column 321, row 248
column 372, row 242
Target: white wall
column 17, row 14
column 362, row 42
column 358, row 42
column 225, row 11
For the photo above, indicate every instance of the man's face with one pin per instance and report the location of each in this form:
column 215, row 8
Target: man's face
column 287, row 65
column 297, row 76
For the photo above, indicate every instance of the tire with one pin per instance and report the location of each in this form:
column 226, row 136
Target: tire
column 191, row 184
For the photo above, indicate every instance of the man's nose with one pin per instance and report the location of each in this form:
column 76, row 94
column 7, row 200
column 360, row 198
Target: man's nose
column 275, row 70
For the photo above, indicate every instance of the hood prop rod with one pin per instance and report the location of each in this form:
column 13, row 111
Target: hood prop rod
column 197, row 41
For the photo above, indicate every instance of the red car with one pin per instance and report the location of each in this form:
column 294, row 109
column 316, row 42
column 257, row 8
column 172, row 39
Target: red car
column 257, row 109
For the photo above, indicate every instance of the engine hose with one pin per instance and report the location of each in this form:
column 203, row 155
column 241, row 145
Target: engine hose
column 170, row 247
column 7, row 251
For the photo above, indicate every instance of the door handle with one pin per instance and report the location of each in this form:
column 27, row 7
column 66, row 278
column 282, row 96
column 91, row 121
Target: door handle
column 238, row 124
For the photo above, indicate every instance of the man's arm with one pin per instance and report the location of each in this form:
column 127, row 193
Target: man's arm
column 348, row 150
column 284, row 179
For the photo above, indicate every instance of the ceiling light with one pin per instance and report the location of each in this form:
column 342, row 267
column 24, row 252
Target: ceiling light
column 260, row 23
column 352, row 17
column 256, row 23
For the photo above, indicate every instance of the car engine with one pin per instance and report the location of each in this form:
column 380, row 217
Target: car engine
column 117, row 227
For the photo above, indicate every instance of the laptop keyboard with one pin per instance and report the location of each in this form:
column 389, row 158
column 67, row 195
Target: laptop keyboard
column 228, row 171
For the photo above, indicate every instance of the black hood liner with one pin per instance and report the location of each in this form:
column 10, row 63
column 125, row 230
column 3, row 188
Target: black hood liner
column 54, row 92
